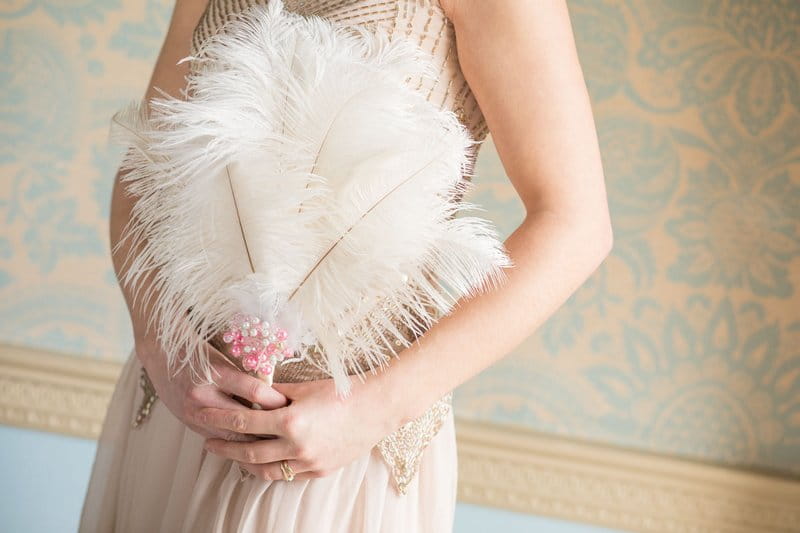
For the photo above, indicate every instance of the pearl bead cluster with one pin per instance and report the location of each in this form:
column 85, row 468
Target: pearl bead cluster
column 261, row 346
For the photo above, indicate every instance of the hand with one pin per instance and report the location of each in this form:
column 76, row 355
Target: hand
column 185, row 399
column 317, row 433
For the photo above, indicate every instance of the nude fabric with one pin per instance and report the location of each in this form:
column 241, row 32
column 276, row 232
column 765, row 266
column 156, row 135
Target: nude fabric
column 158, row 478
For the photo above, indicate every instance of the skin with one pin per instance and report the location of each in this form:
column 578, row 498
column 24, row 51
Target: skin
column 521, row 63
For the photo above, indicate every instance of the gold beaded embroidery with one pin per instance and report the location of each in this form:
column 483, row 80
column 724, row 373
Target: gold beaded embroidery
column 402, row 450
column 147, row 401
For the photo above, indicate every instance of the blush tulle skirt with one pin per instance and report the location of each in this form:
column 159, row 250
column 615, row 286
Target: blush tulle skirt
column 158, row 478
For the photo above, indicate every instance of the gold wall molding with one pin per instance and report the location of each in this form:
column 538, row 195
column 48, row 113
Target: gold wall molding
column 54, row 392
column 499, row 466
column 631, row 490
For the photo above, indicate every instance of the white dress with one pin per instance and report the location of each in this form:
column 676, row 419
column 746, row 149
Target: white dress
column 157, row 477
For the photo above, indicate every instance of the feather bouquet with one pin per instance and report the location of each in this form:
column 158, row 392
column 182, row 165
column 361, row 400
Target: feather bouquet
column 301, row 195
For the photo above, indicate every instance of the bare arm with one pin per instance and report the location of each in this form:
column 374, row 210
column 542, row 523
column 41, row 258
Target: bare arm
column 171, row 78
column 521, row 63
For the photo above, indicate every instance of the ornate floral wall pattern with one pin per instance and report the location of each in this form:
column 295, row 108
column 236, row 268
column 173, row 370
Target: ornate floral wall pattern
column 685, row 341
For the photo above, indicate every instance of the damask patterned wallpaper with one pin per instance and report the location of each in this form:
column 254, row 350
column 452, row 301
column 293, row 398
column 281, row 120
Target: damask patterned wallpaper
column 685, row 341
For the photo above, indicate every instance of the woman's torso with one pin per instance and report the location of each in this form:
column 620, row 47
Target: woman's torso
column 424, row 22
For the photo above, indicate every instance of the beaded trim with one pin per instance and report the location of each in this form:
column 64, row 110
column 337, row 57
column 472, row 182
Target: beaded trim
column 402, row 450
column 149, row 399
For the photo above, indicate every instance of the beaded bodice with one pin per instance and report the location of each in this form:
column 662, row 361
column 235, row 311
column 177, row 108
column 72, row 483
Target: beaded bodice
column 422, row 21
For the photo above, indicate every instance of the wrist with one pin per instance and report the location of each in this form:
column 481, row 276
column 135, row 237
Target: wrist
column 399, row 388
column 146, row 347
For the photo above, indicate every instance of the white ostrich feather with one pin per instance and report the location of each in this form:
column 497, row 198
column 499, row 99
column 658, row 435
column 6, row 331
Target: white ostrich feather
column 302, row 180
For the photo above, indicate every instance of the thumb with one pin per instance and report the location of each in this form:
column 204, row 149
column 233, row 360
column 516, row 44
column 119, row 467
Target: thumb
column 289, row 390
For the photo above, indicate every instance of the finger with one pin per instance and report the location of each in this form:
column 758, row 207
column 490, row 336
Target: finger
column 272, row 471
column 253, row 421
column 221, row 400
column 211, row 396
column 221, row 434
column 291, row 390
column 260, row 451
column 241, row 384
column 215, row 433
column 227, row 402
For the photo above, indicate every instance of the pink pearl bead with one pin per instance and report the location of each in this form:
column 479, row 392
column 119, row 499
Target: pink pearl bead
column 271, row 348
column 281, row 334
column 250, row 362
column 236, row 351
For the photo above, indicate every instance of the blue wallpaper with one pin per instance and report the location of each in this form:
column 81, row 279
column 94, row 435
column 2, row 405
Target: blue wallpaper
column 685, row 341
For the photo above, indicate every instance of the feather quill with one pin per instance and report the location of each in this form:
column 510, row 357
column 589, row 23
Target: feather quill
column 303, row 181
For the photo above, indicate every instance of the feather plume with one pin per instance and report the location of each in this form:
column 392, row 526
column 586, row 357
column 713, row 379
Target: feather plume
column 303, row 181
